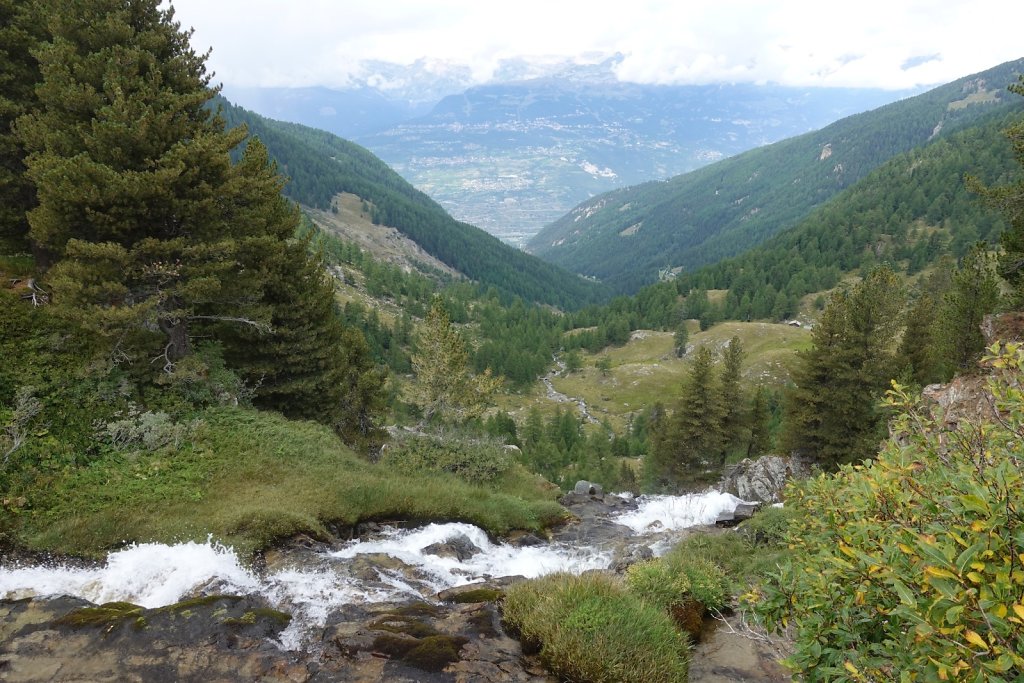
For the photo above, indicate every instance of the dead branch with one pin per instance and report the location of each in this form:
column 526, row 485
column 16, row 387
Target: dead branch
column 259, row 326
column 36, row 294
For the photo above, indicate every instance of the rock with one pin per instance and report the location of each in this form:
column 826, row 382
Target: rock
column 219, row 638
column 742, row 513
column 626, row 556
column 763, row 479
column 458, row 547
column 965, row 399
column 588, row 488
column 480, row 591
column 523, row 539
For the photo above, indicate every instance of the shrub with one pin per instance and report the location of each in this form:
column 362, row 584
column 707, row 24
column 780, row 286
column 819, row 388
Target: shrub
column 473, row 458
column 589, row 628
column 912, row 565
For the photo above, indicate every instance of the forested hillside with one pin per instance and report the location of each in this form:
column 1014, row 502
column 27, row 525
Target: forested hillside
column 625, row 238
column 909, row 213
column 320, row 165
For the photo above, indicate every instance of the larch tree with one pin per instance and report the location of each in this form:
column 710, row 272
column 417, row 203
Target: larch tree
column 732, row 397
column 445, row 389
column 973, row 293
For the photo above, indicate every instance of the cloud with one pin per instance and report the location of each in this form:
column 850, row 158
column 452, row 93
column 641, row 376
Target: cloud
column 880, row 43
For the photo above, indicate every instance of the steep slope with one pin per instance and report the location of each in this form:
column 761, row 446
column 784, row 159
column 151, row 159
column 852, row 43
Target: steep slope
column 910, row 212
column 321, row 165
column 626, row 237
column 512, row 157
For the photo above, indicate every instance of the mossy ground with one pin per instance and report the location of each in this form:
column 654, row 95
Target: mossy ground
column 248, row 478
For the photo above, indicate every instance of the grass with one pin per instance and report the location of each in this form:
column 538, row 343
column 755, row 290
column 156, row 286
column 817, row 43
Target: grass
column 590, row 628
column 646, row 369
column 250, row 478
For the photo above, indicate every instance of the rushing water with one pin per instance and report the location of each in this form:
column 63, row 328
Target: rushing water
column 154, row 574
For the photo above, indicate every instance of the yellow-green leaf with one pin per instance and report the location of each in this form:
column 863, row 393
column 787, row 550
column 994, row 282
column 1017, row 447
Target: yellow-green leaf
column 974, row 639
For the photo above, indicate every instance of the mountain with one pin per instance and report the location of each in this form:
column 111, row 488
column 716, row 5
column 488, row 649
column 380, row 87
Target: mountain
column 322, row 166
column 628, row 237
column 911, row 212
column 514, row 156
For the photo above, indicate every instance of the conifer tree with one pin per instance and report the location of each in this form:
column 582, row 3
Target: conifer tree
column 732, row 398
column 974, row 292
column 831, row 411
column 445, row 388
column 21, row 30
column 1010, row 200
column 155, row 237
column 689, row 442
column 760, row 416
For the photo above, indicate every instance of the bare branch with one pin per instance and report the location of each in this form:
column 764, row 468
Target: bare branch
column 259, row 326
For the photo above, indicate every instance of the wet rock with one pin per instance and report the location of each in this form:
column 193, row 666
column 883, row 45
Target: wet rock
column 763, row 479
column 726, row 655
column 459, row 547
column 480, row 591
column 741, row 513
column 219, row 638
column 524, row 540
column 628, row 555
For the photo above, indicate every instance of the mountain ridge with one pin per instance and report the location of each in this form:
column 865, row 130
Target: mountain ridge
column 720, row 210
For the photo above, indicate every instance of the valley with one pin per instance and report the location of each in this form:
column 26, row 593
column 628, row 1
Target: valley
column 269, row 410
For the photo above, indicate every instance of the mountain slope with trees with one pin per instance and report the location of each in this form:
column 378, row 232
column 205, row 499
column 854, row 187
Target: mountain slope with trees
column 626, row 237
column 321, row 165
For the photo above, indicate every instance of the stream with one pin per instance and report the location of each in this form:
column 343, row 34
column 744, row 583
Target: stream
column 390, row 566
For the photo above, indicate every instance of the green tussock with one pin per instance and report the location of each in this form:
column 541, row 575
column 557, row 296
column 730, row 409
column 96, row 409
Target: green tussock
column 590, row 628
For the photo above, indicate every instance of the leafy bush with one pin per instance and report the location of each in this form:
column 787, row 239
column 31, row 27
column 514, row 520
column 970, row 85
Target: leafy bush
column 589, row 628
column 911, row 567
column 473, row 458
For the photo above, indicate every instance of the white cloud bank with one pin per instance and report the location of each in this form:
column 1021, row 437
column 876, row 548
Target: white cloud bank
column 869, row 43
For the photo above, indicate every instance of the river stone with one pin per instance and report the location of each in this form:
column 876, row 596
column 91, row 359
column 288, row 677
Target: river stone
column 458, row 547
column 628, row 555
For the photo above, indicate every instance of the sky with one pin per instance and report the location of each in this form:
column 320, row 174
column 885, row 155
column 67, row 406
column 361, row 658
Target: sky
column 892, row 44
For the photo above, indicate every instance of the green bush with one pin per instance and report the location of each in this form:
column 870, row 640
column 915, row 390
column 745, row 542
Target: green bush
column 590, row 628
column 474, row 458
column 911, row 567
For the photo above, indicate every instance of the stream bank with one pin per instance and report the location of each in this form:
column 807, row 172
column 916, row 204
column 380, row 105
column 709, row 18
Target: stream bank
column 396, row 605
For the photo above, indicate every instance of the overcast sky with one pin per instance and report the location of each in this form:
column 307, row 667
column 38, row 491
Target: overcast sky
column 875, row 43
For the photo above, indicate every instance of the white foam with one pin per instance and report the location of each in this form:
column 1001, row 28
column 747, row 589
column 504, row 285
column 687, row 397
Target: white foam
column 148, row 574
column 669, row 513
column 493, row 560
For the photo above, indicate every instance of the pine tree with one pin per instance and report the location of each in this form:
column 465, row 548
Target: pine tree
column 21, row 30
column 760, row 418
column 1010, row 200
column 690, row 441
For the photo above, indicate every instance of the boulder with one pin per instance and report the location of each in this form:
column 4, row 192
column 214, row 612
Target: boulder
column 743, row 512
column 588, row 488
column 763, row 479
column 457, row 547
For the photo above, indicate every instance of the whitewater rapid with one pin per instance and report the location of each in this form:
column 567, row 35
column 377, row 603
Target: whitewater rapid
column 155, row 574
